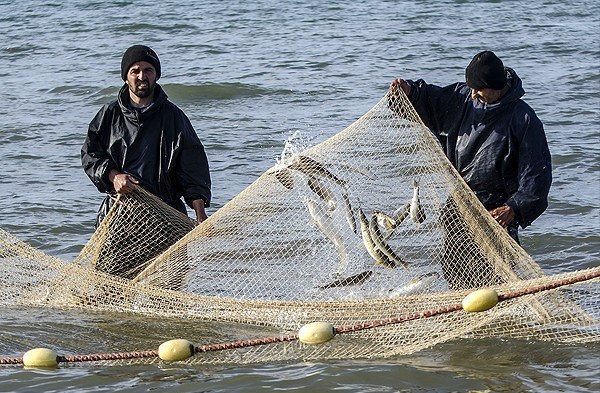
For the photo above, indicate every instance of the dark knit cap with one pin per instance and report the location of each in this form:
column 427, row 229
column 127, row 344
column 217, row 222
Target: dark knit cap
column 485, row 70
column 139, row 53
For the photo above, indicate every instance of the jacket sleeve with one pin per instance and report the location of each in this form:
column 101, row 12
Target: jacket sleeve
column 95, row 159
column 193, row 174
column 436, row 106
column 534, row 173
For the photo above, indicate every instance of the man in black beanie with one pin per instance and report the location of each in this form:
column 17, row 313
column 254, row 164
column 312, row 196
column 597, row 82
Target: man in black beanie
column 491, row 136
column 486, row 70
column 137, row 53
column 142, row 138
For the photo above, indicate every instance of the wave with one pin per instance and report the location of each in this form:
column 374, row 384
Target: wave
column 216, row 91
column 181, row 93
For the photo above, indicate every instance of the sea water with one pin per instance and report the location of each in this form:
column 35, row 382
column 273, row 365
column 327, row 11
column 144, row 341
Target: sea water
column 250, row 76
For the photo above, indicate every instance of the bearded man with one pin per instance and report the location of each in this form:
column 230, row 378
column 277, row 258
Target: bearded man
column 142, row 138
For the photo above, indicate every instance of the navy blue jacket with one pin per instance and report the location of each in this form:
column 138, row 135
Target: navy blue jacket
column 158, row 146
column 499, row 149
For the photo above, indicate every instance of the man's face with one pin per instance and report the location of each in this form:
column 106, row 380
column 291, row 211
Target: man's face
column 486, row 95
column 141, row 79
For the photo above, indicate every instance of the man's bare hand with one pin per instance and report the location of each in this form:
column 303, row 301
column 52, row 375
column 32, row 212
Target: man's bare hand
column 198, row 206
column 122, row 182
column 504, row 215
column 400, row 84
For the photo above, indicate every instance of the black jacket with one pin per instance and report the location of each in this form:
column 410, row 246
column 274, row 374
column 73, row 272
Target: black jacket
column 158, row 146
column 499, row 149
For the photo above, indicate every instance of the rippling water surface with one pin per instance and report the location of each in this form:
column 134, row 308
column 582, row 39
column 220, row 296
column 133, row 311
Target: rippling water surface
column 249, row 75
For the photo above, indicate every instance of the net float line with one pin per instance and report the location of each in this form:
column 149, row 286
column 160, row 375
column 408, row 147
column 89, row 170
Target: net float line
column 589, row 275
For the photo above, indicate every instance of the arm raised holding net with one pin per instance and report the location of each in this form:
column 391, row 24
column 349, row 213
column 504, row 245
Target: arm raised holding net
column 490, row 135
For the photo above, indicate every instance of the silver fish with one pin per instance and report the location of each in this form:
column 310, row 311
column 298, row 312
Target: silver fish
column 379, row 257
column 380, row 243
column 401, row 213
column 324, row 222
column 352, row 280
column 285, row 178
column 323, row 192
column 417, row 214
column 349, row 212
column 385, row 221
column 309, row 167
column 415, row 285
column 398, row 217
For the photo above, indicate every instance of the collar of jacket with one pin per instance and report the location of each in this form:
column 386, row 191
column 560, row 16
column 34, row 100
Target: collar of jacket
column 159, row 98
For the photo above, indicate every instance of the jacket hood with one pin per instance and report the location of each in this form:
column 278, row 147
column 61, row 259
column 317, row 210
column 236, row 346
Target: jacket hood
column 514, row 92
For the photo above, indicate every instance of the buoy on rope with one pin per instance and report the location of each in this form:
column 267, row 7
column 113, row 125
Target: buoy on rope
column 40, row 358
column 480, row 300
column 316, row 333
column 175, row 350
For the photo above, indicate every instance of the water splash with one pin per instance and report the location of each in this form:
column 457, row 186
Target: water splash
column 295, row 143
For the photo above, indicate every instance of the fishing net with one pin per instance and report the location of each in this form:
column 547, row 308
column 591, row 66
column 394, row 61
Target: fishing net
column 371, row 225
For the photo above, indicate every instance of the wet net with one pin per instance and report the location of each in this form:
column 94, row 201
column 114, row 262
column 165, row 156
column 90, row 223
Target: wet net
column 371, row 225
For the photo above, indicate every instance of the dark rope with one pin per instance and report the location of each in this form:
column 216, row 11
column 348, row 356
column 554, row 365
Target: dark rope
column 552, row 285
column 247, row 343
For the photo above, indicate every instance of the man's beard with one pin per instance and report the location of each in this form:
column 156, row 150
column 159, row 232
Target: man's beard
column 143, row 92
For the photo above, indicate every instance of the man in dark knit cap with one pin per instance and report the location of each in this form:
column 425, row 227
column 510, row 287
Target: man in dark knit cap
column 143, row 139
column 491, row 136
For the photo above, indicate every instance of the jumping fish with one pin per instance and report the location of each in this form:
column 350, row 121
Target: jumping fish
column 349, row 213
column 309, row 167
column 323, row 192
column 380, row 243
column 415, row 285
column 352, row 280
column 285, row 178
column 379, row 257
column 417, row 214
column 325, row 223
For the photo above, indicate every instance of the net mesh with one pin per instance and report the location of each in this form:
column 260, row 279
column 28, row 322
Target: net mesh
column 371, row 224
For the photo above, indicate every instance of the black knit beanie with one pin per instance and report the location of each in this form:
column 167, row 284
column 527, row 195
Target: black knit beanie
column 139, row 53
column 485, row 70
